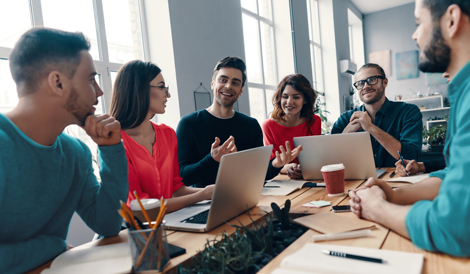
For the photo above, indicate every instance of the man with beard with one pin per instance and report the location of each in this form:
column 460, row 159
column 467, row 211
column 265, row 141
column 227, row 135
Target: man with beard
column 200, row 133
column 393, row 126
column 46, row 175
column 434, row 213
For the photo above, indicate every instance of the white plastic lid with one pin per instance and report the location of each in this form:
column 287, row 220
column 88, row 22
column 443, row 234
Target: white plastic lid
column 147, row 203
column 330, row 168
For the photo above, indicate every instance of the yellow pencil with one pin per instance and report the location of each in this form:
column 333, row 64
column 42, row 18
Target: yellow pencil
column 147, row 218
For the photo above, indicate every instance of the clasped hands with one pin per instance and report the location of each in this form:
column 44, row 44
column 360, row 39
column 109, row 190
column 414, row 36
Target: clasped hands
column 366, row 201
column 359, row 120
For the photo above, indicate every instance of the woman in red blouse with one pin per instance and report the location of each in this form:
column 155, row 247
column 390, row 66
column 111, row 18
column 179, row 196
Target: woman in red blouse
column 294, row 103
column 139, row 93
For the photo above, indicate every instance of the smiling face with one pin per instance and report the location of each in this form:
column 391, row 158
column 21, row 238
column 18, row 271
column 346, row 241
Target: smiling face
column 227, row 86
column 435, row 53
column 371, row 94
column 84, row 91
column 292, row 101
column 158, row 95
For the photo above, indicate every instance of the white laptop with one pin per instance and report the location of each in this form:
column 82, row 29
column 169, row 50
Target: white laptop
column 353, row 150
column 238, row 187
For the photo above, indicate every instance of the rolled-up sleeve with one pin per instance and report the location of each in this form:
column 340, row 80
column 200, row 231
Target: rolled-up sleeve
column 411, row 135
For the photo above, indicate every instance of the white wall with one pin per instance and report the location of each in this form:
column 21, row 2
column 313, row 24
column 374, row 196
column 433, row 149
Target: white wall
column 392, row 30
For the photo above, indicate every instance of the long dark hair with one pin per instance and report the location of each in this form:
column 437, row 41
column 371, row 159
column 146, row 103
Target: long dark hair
column 302, row 85
column 131, row 93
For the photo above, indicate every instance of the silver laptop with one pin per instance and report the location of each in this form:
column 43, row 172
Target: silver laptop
column 238, row 187
column 354, row 150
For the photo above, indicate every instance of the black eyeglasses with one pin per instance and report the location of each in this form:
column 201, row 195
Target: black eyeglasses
column 167, row 88
column 371, row 81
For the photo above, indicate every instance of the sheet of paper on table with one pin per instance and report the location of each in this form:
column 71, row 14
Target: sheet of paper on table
column 409, row 179
column 282, row 187
column 334, row 222
column 311, row 259
column 101, row 259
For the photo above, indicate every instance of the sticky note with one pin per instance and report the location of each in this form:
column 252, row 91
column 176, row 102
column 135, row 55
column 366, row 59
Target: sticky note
column 317, row 204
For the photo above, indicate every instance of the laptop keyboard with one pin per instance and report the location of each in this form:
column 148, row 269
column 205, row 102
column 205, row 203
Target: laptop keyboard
column 200, row 218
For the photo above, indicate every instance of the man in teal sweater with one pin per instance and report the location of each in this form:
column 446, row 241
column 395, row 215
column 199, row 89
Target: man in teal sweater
column 434, row 213
column 45, row 175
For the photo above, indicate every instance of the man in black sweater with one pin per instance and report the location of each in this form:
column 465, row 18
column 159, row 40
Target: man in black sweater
column 200, row 134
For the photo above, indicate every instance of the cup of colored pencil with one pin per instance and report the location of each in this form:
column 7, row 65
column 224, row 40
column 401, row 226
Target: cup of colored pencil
column 148, row 245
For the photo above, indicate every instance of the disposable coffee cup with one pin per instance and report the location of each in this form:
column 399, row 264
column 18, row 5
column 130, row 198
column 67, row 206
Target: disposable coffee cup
column 333, row 175
column 152, row 206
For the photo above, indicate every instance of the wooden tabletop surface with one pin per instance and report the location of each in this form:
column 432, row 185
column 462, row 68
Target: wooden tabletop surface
column 382, row 238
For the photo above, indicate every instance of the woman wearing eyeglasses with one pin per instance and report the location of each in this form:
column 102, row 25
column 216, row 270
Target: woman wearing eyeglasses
column 294, row 105
column 139, row 93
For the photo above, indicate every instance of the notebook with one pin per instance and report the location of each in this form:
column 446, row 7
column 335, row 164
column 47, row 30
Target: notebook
column 283, row 187
column 334, row 223
column 353, row 150
column 101, row 259
column 238, row 187
column 409, row 179
column 311, row 259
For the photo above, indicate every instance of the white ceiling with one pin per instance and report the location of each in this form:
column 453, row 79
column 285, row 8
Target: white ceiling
column 370, row 6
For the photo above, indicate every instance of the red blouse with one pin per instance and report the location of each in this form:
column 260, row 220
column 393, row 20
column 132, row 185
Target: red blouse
column 157, row 175
column 277, row 135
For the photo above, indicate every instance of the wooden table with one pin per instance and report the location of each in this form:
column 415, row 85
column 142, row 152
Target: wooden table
column 382, row 238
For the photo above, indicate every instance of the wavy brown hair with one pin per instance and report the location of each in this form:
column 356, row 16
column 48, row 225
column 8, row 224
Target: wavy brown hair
column 302, row 85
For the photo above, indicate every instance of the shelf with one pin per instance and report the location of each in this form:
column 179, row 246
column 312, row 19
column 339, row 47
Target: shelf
column 423, row 99
column 428, row 123
column 435, row 109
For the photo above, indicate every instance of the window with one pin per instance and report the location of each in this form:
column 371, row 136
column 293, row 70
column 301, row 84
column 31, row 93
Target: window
column 260, row 52
column 315, row 45
column 114, row 28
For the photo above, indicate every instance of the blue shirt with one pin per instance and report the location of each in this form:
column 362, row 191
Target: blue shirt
column 443, row 224
column 197, row 131
column 401, row 120
column 42, row 186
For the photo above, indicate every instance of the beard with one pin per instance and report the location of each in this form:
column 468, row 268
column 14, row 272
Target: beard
column 226, row 102
column 379, row 93
column 436, row 54
column 79, row 111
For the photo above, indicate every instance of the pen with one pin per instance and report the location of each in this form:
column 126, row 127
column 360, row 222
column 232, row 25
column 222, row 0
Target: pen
column 355, row 257
column 403, row 163
column 310, row 184
column 271, row 186
column 392, row 174
column 343, row 235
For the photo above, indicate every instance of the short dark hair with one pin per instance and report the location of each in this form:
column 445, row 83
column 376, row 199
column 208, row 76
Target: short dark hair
column 376, row 66
column 439, row 7
column 131, row 93
column 231, row 62
column 41, row 50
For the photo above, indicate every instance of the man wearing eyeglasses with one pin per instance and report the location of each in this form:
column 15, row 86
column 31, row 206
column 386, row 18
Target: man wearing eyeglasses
column 394, row 126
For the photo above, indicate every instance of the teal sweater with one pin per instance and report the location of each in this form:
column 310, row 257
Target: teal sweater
column 42, row 186
column 443, row 224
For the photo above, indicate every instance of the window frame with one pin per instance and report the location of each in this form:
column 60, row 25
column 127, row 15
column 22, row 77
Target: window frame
column 103, row 66
column 315, row 45
column 264, row 86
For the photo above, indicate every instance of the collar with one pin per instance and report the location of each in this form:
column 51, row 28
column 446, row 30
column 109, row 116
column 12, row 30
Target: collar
column 459, row 79
column 385, row 107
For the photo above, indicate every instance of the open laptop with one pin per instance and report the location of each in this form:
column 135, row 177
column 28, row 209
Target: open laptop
column 238, row 187
column 353, row 150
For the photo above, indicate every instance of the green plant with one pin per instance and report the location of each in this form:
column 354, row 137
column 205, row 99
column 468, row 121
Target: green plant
column 320, row 111
column 248, row 249
column 436, row 135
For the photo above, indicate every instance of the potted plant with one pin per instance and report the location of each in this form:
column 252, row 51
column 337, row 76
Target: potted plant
column 248, row 249
column 435, row 136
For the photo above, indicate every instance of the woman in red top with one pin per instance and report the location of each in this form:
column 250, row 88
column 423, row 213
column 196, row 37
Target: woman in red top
column 152, row 150
column 294, row 103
